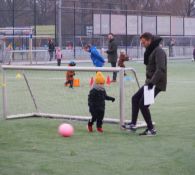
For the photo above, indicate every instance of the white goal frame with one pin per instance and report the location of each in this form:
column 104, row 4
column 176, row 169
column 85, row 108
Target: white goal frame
column 120, row 71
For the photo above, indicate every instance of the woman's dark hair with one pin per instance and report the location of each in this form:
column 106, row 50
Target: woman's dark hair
column 147, row 36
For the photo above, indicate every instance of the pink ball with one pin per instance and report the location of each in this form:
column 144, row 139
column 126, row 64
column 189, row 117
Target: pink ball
column 66, row 130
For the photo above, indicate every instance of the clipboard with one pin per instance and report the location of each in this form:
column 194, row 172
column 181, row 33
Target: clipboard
column 148, row 95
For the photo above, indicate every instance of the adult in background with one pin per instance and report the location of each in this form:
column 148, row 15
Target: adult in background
column 155, row 60
column 112, row 54
column 97, row 59
column 51, row 49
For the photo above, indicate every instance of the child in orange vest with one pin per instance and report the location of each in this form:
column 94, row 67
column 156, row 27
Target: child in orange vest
column 70, row 75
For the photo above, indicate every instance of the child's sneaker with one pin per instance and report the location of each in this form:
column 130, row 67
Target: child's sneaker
column 148, row 132
column 100, row 130
column 90, row 128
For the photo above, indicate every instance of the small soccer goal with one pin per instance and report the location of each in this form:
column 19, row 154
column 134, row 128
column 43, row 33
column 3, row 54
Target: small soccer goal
column 40, row 91
column 27, row 48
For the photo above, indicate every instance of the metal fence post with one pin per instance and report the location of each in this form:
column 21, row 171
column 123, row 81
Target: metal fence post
column 55, row 21
column 110, row 23
column 156, row 25
column 74, row 30
column 60, row 23
column 126, row 40
column 35, row 25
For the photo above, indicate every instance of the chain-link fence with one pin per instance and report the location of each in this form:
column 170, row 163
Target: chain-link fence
column 75, row 23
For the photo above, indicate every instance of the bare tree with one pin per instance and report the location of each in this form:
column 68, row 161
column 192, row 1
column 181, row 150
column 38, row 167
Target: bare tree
column 45, row 9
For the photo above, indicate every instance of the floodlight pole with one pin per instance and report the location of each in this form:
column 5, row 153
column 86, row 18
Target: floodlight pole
column 60, row 23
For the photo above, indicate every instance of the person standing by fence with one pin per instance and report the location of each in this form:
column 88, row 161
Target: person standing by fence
column 112, row 54
column 51, row 49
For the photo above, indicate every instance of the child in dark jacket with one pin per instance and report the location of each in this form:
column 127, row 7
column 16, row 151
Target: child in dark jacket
column 70, row 75
column 96, row 102
column 123, row 57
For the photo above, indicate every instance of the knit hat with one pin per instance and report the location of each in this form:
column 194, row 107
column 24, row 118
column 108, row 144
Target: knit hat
column 72, row 63
column 99, row 78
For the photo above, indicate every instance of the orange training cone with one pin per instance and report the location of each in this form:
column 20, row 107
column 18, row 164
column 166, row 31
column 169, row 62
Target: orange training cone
column 108, row 81
column 91, row 82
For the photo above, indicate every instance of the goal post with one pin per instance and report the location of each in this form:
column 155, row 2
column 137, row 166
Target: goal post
column 39, row 91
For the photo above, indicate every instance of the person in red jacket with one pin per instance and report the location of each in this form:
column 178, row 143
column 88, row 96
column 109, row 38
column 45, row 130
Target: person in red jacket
column 122, row 58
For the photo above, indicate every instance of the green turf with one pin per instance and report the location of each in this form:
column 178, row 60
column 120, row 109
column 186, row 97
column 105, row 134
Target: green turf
column 33, row 147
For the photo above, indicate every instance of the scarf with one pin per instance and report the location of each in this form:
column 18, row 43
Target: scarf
column 154, row 44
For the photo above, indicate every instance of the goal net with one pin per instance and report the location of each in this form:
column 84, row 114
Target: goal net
column 26, row 49
column 27, row 56
column 39, row 91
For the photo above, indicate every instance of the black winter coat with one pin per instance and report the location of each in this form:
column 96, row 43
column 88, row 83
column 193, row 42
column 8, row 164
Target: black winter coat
column 156, row 67
column 51, row 47
column 96, row 99
column 112, row 51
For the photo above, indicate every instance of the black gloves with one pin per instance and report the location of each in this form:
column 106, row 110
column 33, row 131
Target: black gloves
column 150, row 86
column 112, row 99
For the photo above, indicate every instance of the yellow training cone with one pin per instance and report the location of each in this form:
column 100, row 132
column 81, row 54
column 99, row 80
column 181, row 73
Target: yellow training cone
column 18, row 76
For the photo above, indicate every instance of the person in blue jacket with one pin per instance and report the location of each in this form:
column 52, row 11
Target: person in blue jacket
column 96, row 58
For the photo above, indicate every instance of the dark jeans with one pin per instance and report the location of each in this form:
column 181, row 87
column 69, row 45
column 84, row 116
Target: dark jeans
column 113, row 64
column 138, row 103
column 97, row 116
column 59, row 62
column 50, row 55
column 69, row 82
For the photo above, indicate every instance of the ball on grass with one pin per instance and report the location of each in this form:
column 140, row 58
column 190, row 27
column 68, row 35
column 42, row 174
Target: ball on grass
column 66, row 130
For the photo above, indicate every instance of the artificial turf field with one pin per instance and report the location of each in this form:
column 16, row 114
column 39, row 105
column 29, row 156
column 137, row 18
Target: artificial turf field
column 33, row 147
